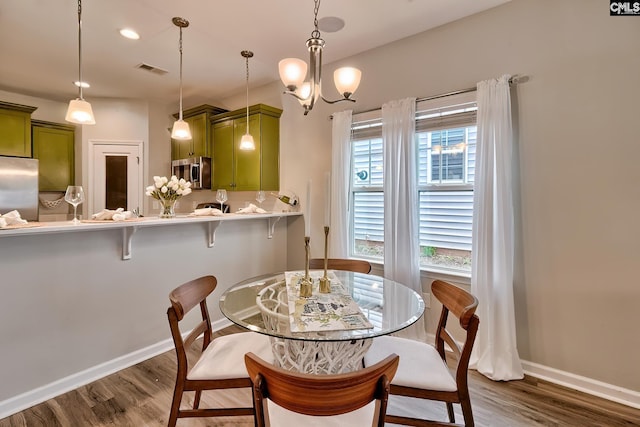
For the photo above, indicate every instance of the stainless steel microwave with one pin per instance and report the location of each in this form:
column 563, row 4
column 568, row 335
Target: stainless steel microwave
column 197, row 170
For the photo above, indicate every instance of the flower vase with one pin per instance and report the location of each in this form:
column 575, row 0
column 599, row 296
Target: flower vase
column 167, row 208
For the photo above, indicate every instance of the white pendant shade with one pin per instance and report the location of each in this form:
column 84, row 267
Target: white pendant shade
column 347, row 80
column 80, row 112
column 246, row 143
column 292, row 71
column 181, row 130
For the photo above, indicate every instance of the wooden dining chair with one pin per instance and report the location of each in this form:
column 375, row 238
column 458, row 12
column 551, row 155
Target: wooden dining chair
column 220, row 363
column 423, row 372
column 285, row 398
column 357, row 265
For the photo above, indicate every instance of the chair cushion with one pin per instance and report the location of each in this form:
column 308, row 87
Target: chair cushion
column 420, row 364
column 281, row 417
column 224, row 357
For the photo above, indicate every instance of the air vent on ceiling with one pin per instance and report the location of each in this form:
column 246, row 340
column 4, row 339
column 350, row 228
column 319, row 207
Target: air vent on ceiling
column 152, row 69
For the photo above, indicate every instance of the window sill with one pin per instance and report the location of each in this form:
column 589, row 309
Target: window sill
column 462, row 278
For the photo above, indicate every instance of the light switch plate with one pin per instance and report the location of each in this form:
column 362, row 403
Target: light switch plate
column 426, row 296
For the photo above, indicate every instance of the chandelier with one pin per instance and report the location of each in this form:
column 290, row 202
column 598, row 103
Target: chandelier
column 293, row 72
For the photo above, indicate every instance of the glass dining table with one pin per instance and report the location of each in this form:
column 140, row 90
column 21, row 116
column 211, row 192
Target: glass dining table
column 328, row 332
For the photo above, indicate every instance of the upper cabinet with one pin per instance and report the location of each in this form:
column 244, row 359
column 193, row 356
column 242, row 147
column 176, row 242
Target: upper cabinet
column 53, row 146
column 199, row 119
column 247, row 170
column 15, row 129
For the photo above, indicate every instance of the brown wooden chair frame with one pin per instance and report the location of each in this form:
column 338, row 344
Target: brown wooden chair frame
column 357, row 265
column 320, row 395
column 183, row 299
column 463, row 306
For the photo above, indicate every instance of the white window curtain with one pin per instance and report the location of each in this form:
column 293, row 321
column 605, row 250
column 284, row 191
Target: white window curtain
column 340, row 185
column 401, row 257
column 495, row 352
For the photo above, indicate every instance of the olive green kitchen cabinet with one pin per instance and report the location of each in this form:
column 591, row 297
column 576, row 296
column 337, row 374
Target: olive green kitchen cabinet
column 15, row 129
column 199, row 119
column 247, row 170
column 53, row 146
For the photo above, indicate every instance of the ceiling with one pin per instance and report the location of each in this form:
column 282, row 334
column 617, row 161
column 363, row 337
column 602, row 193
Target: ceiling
column 40, row 41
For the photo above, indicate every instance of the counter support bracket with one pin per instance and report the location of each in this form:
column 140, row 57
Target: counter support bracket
column 127, row 234
column 272, row 226
column 211, row 228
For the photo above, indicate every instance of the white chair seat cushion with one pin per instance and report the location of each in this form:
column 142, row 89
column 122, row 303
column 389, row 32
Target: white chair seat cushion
column 224, row 357
column 281, row 417
column 420, row 364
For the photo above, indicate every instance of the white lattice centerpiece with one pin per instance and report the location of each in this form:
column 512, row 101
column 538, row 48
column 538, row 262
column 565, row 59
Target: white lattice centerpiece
column 309, row 355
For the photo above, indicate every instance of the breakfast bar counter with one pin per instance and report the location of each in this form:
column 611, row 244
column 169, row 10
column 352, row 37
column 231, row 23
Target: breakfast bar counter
column 130, row 226
column 73, row 311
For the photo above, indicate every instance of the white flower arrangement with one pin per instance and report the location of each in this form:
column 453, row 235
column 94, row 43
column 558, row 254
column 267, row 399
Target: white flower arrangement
column 171, row 189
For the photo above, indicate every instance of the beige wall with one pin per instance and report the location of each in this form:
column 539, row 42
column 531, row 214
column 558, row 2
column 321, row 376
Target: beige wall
column 577, row 182
column 576, row 285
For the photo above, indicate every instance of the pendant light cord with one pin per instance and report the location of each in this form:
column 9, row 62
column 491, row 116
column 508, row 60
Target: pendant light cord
column 80, row 49
column 180, row 72
column 247, row 62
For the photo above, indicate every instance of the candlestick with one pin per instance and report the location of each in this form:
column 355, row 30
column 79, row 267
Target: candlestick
column 307, row 213
column 327, row 201
column 306, row 284
column 325, row 283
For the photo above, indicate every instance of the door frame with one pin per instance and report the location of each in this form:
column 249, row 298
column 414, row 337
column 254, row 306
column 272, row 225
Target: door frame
column 141, row 170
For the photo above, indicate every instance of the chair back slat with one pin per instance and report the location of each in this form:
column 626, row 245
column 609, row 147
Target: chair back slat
column 458, row 301
column 356, row 265
column 190, row 294
column 321, row 395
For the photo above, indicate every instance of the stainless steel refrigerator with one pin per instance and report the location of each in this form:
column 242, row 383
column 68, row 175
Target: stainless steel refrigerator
column 19, row 186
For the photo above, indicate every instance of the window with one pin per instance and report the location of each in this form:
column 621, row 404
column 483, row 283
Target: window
column 446, row 147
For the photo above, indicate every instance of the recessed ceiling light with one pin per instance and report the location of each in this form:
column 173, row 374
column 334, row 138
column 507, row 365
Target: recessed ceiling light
column 330, row 24
column 82, row 84
column 129, row 33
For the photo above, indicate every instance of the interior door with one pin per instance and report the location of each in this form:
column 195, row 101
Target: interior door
column 117, row 176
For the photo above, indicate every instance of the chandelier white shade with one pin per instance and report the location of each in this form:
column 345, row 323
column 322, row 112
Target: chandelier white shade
column 293, row 73
column 347, row 80
column 181, row 130
column 79, row 110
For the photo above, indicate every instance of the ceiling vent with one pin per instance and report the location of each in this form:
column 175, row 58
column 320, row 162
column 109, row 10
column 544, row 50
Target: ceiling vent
column 152, row 69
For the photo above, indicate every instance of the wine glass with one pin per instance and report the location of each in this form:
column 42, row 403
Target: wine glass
column 261, row 197
column 221, row 197
column 74, row 196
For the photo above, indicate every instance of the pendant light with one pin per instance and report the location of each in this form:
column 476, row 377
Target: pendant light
column 180, row 129
column 246, row 143
column 79, row 110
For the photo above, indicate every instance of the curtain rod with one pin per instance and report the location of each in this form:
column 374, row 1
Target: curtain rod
column 512, row 81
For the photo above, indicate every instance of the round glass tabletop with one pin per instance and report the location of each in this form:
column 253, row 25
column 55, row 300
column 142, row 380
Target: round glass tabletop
column 262, row 304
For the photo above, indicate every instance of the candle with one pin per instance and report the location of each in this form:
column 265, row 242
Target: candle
column 327, row 200
column 307, row 214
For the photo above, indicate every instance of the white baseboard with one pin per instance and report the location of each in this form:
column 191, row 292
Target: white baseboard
column 586, row 385
column 576, row 382
column 48, row 391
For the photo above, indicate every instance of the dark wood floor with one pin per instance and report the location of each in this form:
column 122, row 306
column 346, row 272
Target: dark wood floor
column 141, row 395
